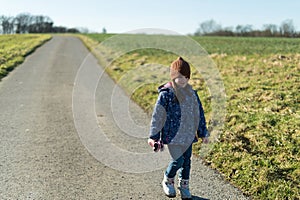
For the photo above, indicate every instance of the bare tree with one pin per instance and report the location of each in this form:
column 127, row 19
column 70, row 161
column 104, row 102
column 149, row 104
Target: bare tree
column 287, row 28
column 40, row 24
column 22, row 22
column 243, row 30
column 207, row 27
column 72, row 30
column 27, row 23
column 238, row 29
column 247, row 29
column 270, row 29
column 7, row 24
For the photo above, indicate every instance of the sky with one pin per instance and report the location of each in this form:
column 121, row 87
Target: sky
column 182, row 17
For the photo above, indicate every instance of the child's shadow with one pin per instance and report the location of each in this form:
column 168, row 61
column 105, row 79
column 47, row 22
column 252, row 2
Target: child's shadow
column 198, row 198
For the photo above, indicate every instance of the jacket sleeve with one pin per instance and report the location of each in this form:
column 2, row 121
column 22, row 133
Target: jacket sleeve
column 202, row 130
column 158, row 116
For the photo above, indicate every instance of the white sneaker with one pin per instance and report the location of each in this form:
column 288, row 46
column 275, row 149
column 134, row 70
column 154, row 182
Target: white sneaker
column 168, row 186
column 183, row 187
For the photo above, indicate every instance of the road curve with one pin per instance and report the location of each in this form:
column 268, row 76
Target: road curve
column 42, row 156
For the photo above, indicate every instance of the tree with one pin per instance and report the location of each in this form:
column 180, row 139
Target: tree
column 7, row 24
column 27, row 23
column 22, row 22
column 59, row 29
column 287, row 28
column 207, row 27
column 270, row 29
column 40, row 24
column 238, row 29
column 243, row 30
column 72, row 30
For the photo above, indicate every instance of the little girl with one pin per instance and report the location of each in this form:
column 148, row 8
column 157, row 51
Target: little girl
column 177, row 117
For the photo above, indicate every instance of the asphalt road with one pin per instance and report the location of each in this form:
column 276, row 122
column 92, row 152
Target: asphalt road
column 44, row 157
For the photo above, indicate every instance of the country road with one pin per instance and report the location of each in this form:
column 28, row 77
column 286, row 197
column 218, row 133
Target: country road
column 43, row 156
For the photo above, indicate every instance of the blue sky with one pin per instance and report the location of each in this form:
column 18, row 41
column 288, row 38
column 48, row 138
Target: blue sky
column 184, row 17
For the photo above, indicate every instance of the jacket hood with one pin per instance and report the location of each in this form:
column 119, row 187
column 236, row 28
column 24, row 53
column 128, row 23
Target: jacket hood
column 164, row 87
column 188, row 90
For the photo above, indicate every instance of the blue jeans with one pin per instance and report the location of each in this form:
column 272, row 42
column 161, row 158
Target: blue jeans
column 181, row 160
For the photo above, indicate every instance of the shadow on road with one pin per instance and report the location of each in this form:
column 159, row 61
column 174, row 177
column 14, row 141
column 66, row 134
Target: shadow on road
column 198, row 198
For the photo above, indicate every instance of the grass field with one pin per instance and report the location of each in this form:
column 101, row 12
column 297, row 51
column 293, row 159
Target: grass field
column 259, row 148
column 14, row 49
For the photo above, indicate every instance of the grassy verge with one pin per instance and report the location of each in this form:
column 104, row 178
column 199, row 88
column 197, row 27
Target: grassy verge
column 14, row 49
column 258, row 150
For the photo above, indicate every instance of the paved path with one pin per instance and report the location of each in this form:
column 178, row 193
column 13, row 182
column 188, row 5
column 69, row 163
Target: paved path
column 42, row 155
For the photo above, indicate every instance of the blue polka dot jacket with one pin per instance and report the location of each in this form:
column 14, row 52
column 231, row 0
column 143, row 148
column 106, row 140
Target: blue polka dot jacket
column 178, row 122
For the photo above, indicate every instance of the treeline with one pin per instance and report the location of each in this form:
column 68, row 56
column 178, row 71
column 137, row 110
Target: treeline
column 27, row 23
column 211, row 28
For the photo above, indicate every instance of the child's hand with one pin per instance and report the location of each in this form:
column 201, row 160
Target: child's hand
column 151, row 142
column 156, row 145
column 205, row 140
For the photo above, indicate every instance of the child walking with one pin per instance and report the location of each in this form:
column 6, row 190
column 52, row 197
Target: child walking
column 178, row 121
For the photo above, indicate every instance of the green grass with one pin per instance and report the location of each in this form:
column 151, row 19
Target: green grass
column 14, row 49
column 258, row 150
column 249, row 46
